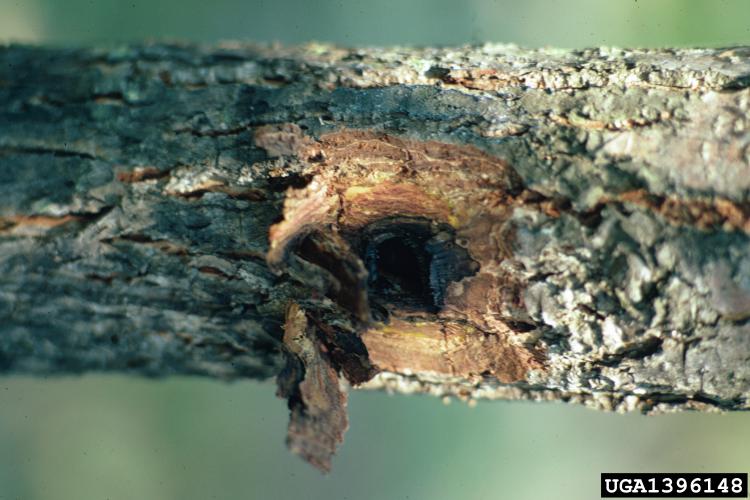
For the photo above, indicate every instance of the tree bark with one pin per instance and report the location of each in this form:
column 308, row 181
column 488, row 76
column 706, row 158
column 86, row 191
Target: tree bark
column 485, row 222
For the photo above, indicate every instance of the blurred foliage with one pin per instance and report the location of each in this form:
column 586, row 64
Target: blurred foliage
column 572, row 23
column 103, row 437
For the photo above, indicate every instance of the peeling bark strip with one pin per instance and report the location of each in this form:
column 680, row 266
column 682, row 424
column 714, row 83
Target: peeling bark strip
column 316, row 400
column 484, row 222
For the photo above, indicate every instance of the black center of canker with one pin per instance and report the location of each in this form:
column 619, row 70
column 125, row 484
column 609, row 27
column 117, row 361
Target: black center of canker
column 398, row 264
column 393, row 264
column 410, row 263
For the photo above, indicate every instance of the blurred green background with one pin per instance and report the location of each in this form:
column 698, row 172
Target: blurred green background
column 571, row 23
column 106, row 437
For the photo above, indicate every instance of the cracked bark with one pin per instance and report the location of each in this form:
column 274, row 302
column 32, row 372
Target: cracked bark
column 575, row 222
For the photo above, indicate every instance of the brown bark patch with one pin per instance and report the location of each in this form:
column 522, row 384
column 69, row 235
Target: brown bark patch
column 476, row 78
column 450, row 349
column 700, row 213
column 281, row 140
column 305, row 209
column 317, row 401
column 140, row 174
column 364, row 205
column 33, row 225
column 348, row 283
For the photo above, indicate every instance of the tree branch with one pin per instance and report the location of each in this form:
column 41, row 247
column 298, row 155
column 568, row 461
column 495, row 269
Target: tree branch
column 487, row 222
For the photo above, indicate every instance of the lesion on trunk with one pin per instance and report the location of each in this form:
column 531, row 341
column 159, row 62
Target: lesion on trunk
column 408, row 245
column 485, row 222
column 412, row 240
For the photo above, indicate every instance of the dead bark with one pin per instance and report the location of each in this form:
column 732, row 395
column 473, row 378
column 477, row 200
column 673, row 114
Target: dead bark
column 487, row 222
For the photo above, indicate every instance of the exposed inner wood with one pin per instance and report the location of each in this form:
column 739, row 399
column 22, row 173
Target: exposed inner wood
column 424, row 203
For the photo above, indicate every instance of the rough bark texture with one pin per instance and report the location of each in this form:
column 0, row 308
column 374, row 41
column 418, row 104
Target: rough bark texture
column 487, row 222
